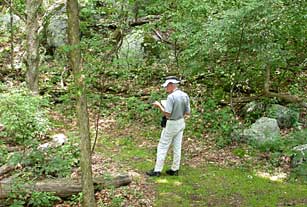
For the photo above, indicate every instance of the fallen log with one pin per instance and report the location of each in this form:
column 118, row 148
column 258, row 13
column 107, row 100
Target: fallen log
column 61, row 187
column 6, row 169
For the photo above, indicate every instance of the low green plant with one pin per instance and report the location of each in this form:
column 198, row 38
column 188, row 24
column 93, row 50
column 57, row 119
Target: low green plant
column 274, row 145
column 220, row 121
column 76, row 199
column 137, row 109
column 18, row 195
column 39, row 199
column 23, row 116
column 62, row 161
column 299, row 174
column 117, row 201
column 17, row 203
column 240, row 152
column 53, row 162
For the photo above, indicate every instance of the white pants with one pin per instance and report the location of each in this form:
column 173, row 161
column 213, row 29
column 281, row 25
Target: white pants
column 171, row 134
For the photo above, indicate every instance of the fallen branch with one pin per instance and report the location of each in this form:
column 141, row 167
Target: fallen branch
column 4, row 169
column 287, row 98
column 239, row 100
column 61, row 187
column 284, row 97
column 145, row 20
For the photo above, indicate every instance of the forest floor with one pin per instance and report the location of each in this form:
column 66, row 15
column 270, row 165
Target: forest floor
column 209, row 176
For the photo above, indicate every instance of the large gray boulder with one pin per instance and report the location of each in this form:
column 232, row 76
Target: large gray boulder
column 131, row 52
column 285, row 117
column 5, row 21
column 56, row 29
column 263, row 130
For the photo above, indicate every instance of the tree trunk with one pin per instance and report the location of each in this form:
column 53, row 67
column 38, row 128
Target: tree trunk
column 32, row 57
column 82, row 113
column 12, row 34
column 61, row 187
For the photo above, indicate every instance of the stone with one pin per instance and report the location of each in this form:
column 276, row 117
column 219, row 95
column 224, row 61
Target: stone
column 264, row 129
column 56, row 29
column 59, row 139
column 5, row 21
column 131, row 52
column 285, row 117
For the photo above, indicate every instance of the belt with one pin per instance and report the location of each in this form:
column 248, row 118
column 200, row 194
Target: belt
column 175, row 119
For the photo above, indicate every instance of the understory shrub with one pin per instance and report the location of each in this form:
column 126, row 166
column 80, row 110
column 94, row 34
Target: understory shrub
column 52, row 162
column 219, row 120
column 23, row 116
column 39, row 199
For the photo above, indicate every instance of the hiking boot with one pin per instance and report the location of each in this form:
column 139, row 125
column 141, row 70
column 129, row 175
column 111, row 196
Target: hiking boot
column 172, row 172
column 152, row 173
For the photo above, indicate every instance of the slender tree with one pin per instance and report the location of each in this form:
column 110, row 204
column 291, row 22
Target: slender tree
column 82, row 113
column 32, row 58
column 12, row 34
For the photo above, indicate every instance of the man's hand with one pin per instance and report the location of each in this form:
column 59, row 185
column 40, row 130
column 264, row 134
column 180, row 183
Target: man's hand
column 158, row 105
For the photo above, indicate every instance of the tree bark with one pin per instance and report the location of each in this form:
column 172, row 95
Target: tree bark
column 61, row 187
column 12, row 34
column 6, row 169
column 32, row 57
column 82, row 113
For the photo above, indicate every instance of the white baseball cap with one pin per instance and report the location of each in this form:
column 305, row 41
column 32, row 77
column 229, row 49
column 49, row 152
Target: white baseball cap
column 172, row 80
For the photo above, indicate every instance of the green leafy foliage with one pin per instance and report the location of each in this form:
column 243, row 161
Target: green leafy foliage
column 299, row 174
column 220, row 121
column 76, row 199
column 234, row 41
column 16, row 199
column 53, row 162
column 23, row 116
column 39, row 199
column 18, row 203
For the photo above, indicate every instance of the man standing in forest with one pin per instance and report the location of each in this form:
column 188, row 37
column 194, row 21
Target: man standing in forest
column 176, row 108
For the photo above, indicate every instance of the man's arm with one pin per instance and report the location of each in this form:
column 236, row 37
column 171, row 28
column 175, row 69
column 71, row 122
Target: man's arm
column 158, row 105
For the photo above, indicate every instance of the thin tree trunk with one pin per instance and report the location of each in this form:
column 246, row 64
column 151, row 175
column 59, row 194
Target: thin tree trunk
column 12, row 34
column 82, row 113
column 235, row 80
column 32, row 58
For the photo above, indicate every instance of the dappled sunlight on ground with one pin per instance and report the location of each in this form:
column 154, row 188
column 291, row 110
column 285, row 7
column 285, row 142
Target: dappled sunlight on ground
column 277, row 176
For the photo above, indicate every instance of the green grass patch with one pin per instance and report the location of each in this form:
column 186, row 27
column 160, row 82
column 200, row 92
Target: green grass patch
column 217, row 186
column 207, row 185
